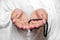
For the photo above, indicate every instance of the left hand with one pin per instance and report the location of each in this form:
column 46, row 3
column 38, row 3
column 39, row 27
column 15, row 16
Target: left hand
column 38, row 14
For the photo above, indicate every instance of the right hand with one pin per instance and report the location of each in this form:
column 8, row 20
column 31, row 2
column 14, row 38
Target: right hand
column 19, row 19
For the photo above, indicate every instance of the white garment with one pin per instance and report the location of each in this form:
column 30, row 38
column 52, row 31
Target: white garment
column 7, row 6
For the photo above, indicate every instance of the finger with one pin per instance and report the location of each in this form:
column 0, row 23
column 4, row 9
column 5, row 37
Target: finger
column 36, row 24
column 23, row 17
column 43, row 13
column 14, row 20
column 33, row 16
column 25, row 24
column 39, row 15
column 44, row 21
column 16, row 13
column 40, row 23
column 18, row 23
column 33, row 23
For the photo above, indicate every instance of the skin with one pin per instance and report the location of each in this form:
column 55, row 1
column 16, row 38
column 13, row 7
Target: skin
column 20, row 19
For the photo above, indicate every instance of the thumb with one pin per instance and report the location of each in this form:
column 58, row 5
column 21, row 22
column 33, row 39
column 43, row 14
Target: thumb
column 16, row 13
column 44, row 21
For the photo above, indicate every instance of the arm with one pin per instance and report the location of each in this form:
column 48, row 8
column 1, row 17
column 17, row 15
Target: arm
column 4, row 19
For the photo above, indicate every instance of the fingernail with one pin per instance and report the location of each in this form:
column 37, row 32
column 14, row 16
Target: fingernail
column 32, row 26
column 14, row 20
column 37, row 25
column 20, row 26
column 24, row 27
column 44, row 21
column 27, row 27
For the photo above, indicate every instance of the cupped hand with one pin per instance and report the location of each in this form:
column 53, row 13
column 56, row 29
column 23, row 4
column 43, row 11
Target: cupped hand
column 20, row 19
column 38, row 14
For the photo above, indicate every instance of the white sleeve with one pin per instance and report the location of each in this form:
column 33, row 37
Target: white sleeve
column 57, row 6
column 5, row 13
